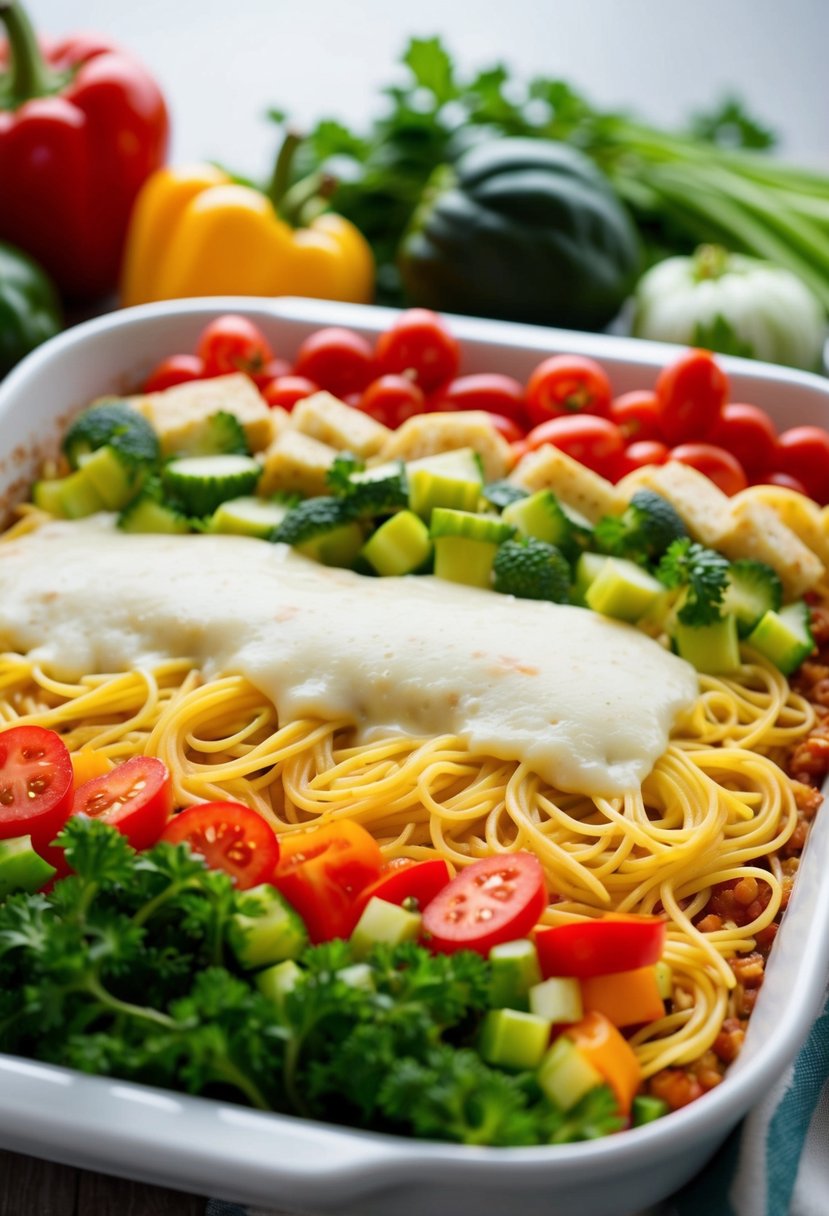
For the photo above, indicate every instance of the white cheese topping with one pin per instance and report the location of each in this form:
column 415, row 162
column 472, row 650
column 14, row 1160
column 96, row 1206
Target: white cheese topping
column 587, row 702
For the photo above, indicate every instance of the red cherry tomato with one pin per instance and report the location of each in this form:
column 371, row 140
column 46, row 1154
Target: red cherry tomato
column 637, row 415
column 405, row 879
column 273, row 368
column 178, row 369
column 489, row 391
column 230, row 837
column 493, row 900
column 232, row 343
column 285, row 391
column 585, row 948
column 36, row 780
column 568, row 384
column 336, row 359
column 593, row 441
column 776, row 478
column 747, row 433
column 391, row 399
column 643, row 452
column 718, row 465
column 691, row 392
column 803, row 452
column 419, row 342
column 506, row 427
column 136, row 797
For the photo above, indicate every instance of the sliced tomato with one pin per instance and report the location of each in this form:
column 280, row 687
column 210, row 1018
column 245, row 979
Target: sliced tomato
column 36, row 780
column 136, row 797
column 612, row 943
column 405, row 879
column 418, row 342
column 322, row 871
column 230, row 837
column 496, row 899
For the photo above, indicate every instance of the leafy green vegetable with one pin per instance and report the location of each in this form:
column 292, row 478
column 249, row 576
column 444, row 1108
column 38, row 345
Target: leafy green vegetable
column 701, row 573
column 114, row 424
column 643, row 531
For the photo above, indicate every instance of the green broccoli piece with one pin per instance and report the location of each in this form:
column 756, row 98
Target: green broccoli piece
column 531, row 569
column 643, row 531
column 753, row 590
column 312, row 518
column 381, row 490
column 701, row 573
column 501, row 493
column 114, row 424
column 221, row 435
column 338, row 476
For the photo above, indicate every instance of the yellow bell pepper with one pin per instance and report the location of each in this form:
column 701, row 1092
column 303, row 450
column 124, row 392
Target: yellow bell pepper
column 195, row 232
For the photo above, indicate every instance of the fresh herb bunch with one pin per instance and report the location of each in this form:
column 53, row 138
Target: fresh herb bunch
column 701, row 573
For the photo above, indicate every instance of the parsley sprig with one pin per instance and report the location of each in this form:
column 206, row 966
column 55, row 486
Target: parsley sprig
column 701, row 573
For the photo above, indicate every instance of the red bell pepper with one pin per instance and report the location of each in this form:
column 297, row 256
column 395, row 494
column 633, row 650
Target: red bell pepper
column 81, row 127
column 614, row 942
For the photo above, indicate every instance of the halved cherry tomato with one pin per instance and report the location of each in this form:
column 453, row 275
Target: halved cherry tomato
column 391, row 399
column 405, row 879
column 592, row 441
column 233, row 343
column 336, row 359
column 273, row 368
column 136, row 797
column 506, row 427
column 615, row 942
column 493, row 900
column 568, row 384
column 230, row 837
column 419, row 342
column 637, row 415
column 719, row 466
column 285, row 391
column 748, row 433
column 691, row 392
column 803, row 452
column 35, row 783
column 321, row 872
column 490, row 391
column 643, row 452
column 178, row 369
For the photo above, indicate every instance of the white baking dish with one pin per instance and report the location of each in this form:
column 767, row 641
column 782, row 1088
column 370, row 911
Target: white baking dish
column 215, row 1148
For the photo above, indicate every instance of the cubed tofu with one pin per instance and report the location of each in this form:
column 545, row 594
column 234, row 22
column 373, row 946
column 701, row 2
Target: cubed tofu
column 701, row 505
column 296, row 463
column 179, row 413
column 756, row 531
column 429, row 434
column 324, row 417
column 578, row 487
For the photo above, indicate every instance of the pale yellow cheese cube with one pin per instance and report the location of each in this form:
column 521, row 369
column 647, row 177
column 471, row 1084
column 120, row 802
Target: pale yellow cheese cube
column 179, row 414
column 296, row 463
column 756, row 531
column 576, row 486
column 701, row 505
column 324, row 417
column 429, row 434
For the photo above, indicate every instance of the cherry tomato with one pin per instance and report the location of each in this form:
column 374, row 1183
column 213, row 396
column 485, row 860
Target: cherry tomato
column 803, row 453
column 568, row 384
column 136, row 797
column 493, row 900
column 747, row 433
column 178, row 369
column 273, row 368
column 584, row 948
column 391, row 399
column 643, row 452
column 419, row 342
column 232, row 343
column 691, row 392
column 593, row 441
column 230, row 837
column 285, row 391
column 336, row 359
column 489, row 391
column 719, row 466
column 506, row 427
column 775, row 478
column 405, row 879
column 637, row 415
column 320, row 872
column 36, row 779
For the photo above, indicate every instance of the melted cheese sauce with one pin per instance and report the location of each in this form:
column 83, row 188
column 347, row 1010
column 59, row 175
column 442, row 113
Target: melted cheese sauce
column 585, row 701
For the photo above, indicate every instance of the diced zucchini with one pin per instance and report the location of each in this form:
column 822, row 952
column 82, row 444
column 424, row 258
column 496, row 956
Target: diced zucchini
column 47, row 494
column 558, row 998
column 784, row 637
column 449, row 479
column 277, row 981
column 514, row 969
column 753, row 590
column 78, row 496
column 248, row 516
column 147, row 514
column 511, row 1038
column 323, row 529
column 221, row 434
column 383, row 922
column 622, row 589
column 566, row 1075
column 487, row 529
column 380, row 490
column 21, row 868
column 339, row 546
column 714, row 649
column 115, row 424
column 399, row 546
column 645, row 1108
column 587, row 569
column 116, row 481
column 466, row 544
column 275, row 934
column 200, row 483
column 544, row 517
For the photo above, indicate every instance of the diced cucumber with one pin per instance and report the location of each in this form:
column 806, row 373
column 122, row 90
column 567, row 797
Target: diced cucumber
column 383, row 922
column 449, row 479
column 511, row 1038
column 566, row 1075
column 784, row 637
column 78, row 496
column 248, row 516
column 489, row 529
column 514, row 969
column 399, row 546
column 147, row 514
column 544, row 517
column 466, row 544
column 753, row 589
column 21, row 868
column 277, row 981
column 713, row 649
column 275, row 934
column 623, row 590
column 339, row 546
column 379, row 490
column 586, row 571
column 116, row 481
column 558, row 999
column 644, row 1109
column 200, row 483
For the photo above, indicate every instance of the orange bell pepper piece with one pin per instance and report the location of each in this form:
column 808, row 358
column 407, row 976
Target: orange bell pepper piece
column 611, row 1055
column 626, row 998
column 88, row 763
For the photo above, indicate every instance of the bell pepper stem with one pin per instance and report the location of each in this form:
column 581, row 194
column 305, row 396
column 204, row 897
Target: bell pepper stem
column 29, row 75
column 281, row 176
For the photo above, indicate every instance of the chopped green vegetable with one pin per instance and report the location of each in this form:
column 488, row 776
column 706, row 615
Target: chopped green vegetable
column 222, row 434
column 753, row 589
column 531, row 569
column 324, row 529
column 500, row 494
column 702, row 574
column 199, row 484
column 643, row 531
column 114, row 424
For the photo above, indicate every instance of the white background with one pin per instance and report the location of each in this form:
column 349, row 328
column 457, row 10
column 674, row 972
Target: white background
column 222, row 64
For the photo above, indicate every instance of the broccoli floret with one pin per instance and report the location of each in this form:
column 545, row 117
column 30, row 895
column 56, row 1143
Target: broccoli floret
column 753, row 590
column 338, row 476
column 701, row 573
column 643, row 531
column 531, row 569
column 312, row 518
column 370, row 492
column 221, row 435
column 113, row 424
column 501, row 493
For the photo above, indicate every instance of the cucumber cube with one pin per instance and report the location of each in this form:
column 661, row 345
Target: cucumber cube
column 714, row 649
column 514, row 969
column 384, row 922
column 623, row 590
column 558, row 999
column 511, row 1038
column 784, row 637
column 399, row 546
column 276, row 934
column 111, row 477
column 565, row 1075
column 277, row 981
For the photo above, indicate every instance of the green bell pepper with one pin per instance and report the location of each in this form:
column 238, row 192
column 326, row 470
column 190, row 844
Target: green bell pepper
column 29, row 306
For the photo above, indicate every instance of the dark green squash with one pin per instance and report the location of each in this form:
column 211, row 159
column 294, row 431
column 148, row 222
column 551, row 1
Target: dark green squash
column 521, row 230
